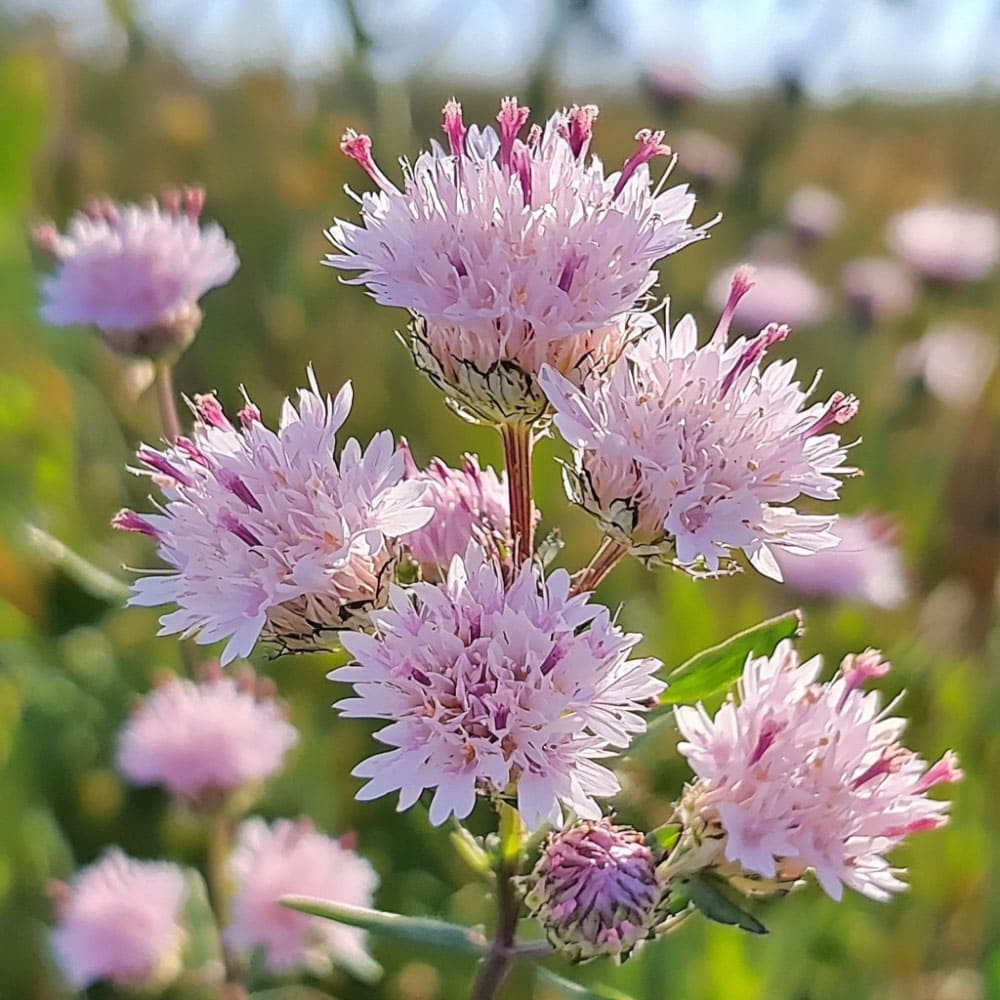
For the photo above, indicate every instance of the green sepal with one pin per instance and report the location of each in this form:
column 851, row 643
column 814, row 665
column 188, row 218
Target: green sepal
column 716, row 668
column 471, row 851
column 393, row 926
column 567, row 988
column 712, row 899
column 663, row 838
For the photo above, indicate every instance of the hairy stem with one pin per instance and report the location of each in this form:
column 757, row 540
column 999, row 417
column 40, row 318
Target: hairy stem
column 518, row 441
column 497, row 963
column 606, row 558
column 167, row 403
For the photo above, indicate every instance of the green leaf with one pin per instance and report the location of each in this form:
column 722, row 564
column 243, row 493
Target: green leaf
column 512, row 834
column 202, row 947
column 470, row 850
column 714, row 669
column 708, row 895
column 563, row 987
column 393, row 926
column 664, row 837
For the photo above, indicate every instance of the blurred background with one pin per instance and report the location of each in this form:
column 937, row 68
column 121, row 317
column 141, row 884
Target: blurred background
column 810, row 125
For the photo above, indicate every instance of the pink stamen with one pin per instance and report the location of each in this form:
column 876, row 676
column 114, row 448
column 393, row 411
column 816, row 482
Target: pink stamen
column 946, row 770
column 839, row 410
column 194, row 202
column 773, row 333
column 580, row 128
column 650, row 145
column 248, row 415
column 521, row 162
column 241, row 531
column 511, row 120
column 359, row 148
column 160, row 464
column 534, row 136
column 237, row 487
column 192, row 451
column 740, row 283
column 129, row 520
column 888, row 763
column 210, row 412
column 572, row 264
column 170, row 202
column 915, row 826
column 102, row 210
column 454, row 127
column 409, row 465
column 861, row 668
column 46, row 237
column 768, row 733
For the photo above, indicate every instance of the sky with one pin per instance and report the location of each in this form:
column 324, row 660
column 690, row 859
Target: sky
column 836, row 47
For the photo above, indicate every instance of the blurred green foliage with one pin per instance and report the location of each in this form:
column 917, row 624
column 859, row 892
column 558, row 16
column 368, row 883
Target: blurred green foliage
column 266, row 148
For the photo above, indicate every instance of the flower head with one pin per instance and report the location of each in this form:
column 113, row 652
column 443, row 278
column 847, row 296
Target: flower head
column 512, row 252
column 803, row 775
column 469, row 504
column 136, row 272
column 878, row 289
column 291, row 858
column 266, row 534
column 781, row 293
column 955, row 363
column 207, row 740
column 594, row 890
column 945, row 242
column 686, row 453
column 814, row 213
column 119, row 920
column 866, row 564
column 511, row 691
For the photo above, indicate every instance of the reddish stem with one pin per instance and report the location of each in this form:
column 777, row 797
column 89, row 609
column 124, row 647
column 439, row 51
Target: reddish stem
column 518, row 441
column 606, row 558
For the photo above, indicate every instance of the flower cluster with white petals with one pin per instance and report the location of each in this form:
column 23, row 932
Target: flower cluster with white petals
column 802, row 775
column 686, row 453
column 511, row 691
column 513, row 252
column 267, row 535
column 289, row 858
column 136, row 272
column 206, row 740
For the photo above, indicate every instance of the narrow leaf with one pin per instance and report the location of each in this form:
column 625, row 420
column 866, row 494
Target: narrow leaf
column 469, row 849
column 512, row 834
column 392, row 926
column 714, row 669
column 708, row 895
column 562, row 987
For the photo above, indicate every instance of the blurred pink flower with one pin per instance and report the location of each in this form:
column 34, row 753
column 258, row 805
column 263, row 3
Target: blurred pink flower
column 673, row 86
column 290, row 858
column 946, row 242
column 469, row 504
column 136, row 272
column 119, row 920
column 594, row 890
column 781, row 293
column 955, row 363
column 202, row 741
column 685, row 453
column 512, row 691
column 879, row 289
column 707, row 158
column 865, row 566
column 512, row 253
column 814, row 213
column 267, row 534
column 805, row 775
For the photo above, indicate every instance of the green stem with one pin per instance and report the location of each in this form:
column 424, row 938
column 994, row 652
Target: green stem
column 606, row 558
column 168, row 405
column 220, row 828
column 518, row 441
column 498, row 962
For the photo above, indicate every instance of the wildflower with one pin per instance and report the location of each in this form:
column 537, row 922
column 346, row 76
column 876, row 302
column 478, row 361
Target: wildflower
column 511, row 692
column 291, row 858
column 866, row 564
column 781, row 293
column 136, row 272
column 707, row 158
column 267, row 536
column 119, row 920
column 878, row 289
column 813, row 213
column 594, row 890
column 513, row 252
column 469, row 504
column 802, row 775
column 946, row 242
column 955, row 363
column 207, row 740
column 687, row 453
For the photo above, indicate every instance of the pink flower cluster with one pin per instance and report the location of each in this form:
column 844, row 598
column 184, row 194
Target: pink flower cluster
column 804, row 775
column 136, row 272
column 513, row 690
column 469, row 504
column 266, row 533
column 946, row 242
column 686, row 453
column 595, row 890
column 120, row 920
column 513, row 252
column 291, row 858
column 205, row 741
